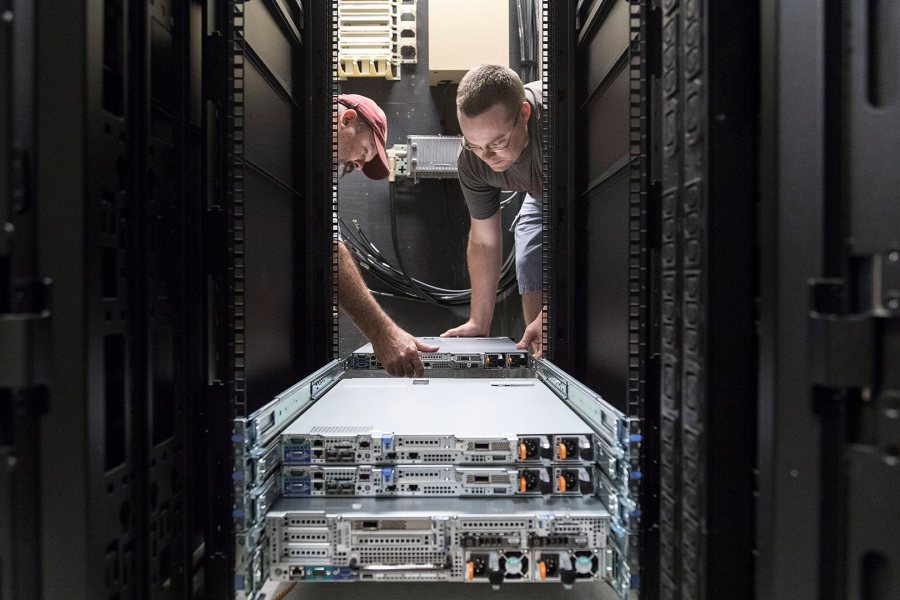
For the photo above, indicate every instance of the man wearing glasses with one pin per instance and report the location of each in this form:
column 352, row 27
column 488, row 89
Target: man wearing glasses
column 361, row 136
column 499, row 118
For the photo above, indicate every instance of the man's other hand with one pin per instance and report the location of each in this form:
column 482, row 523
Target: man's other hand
column 533, row 337
column 398, row 353
column 467, row 329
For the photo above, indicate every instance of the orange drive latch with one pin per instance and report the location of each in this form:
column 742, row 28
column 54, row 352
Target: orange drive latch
column 470, row 570
column 523, row 485
column 562, row 451
column 543, row 570
column 562, row 483
column 523, row 451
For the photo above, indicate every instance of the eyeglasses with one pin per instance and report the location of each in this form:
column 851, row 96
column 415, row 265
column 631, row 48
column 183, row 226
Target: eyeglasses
column 496, row 147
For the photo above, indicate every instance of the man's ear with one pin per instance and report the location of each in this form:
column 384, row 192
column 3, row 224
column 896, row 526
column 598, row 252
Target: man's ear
column 526, row 111
column 347, row 116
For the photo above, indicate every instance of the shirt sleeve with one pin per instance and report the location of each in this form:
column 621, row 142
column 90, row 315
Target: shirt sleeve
column 482, row 198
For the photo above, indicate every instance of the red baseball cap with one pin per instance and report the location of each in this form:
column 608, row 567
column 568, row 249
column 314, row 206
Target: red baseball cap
column 372, row 115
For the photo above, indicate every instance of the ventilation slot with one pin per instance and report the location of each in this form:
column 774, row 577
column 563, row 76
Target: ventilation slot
column 419, row 540
column 876, row 577
column 437, row 458
column 882, row 52
column 306, row 522
column 402, row 556
column 420, row 475
column 114, row 398
column 482, row 524
column 438, row 489
column 307, row 553
column 305, row 537
column 113, row 56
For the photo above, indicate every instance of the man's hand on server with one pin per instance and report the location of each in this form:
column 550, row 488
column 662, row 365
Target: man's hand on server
column 533, row 337
column 398, row 352
column 395, row 349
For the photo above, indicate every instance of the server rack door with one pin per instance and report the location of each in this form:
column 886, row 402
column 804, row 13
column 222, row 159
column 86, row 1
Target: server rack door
column 869, row 196
column 23, row 316
column 110, row 117
column 115, row 177
column 829, row 307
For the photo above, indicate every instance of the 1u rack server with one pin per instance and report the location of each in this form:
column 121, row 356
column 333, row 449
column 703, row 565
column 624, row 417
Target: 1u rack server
column 441, row 421
column 456, row 354
column 434, row 480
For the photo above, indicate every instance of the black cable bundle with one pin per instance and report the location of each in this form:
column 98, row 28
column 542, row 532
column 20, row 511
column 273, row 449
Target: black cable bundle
column 369, row 257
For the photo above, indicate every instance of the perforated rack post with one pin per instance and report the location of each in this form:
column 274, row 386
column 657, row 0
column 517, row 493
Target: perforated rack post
column 638, row 288
column 547, row 163
column 335, row 224
column 244, row 584
column 234, row 194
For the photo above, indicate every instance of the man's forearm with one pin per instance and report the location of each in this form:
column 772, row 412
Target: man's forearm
column 484, row 273
column 356, row 300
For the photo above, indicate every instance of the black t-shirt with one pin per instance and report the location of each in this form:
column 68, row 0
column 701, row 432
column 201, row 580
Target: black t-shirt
column 481, row 185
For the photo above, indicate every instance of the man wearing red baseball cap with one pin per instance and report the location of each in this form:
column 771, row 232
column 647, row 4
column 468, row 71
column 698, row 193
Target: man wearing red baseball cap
column 361, row 137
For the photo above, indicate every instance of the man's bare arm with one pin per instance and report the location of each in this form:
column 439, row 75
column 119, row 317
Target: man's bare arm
column 396, row 350
column 484, row 257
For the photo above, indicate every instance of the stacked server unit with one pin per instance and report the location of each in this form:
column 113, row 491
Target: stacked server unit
column 462, row 475
column 497, row 356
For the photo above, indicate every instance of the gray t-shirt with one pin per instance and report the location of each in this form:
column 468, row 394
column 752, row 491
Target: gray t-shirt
column 481, row 185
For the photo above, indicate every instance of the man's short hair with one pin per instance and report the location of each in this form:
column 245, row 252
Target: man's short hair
column 487, row 85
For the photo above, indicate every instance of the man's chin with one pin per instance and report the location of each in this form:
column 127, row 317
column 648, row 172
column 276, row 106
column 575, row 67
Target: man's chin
column 499, row 167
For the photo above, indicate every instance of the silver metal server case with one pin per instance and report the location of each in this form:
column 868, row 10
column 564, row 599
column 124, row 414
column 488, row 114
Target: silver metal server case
column 493, row 541
column 456, row 354
column 483, row 546
column 299, row 481
column 439, row 421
